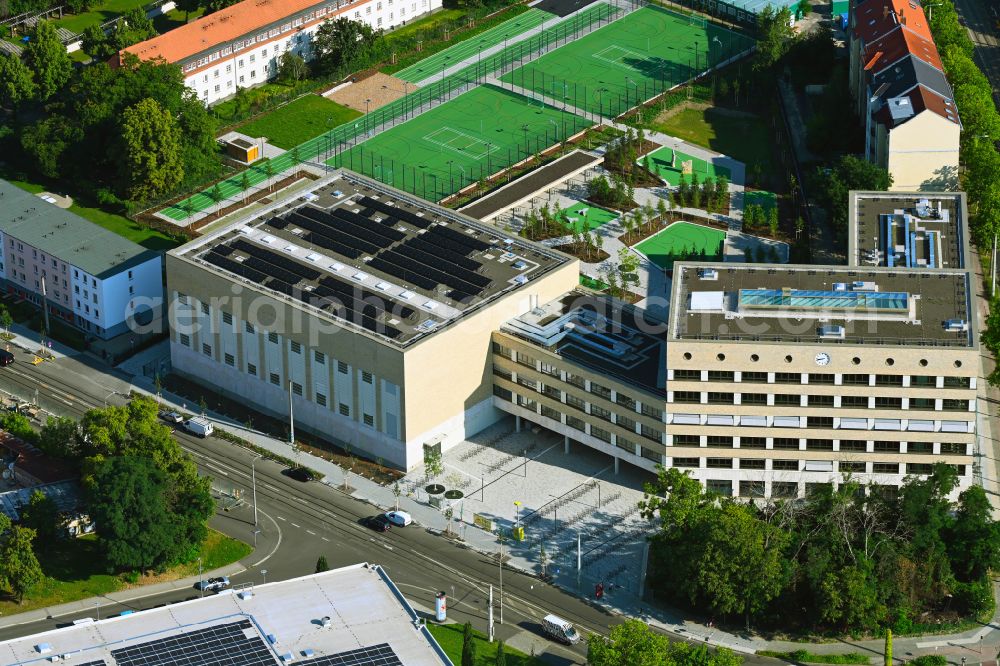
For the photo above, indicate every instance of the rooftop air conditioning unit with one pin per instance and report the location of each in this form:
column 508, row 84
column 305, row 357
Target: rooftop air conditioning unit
column 956, row 325
column 708, row 274
column 327, row 622
column 832, row 332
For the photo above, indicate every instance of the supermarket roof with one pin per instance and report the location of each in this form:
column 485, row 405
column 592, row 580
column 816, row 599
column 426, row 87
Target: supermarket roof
column 354, row 615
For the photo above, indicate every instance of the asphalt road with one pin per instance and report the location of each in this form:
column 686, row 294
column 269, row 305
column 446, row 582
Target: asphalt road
column 980, row 17
column 301, row 521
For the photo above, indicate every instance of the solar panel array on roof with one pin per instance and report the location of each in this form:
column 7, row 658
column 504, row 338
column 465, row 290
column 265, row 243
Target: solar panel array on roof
column 376, row 655
column 458, row 238
column 221, row 644
column 279, row 266
column 350, row 237
column 99, row 662
column 396, row 212
column 338, row 297
column 217, row 259
column 824, row 300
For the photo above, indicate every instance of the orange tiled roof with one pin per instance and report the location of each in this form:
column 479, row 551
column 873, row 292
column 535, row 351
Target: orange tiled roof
column 219, row 28
column 898, row 44
column 874, row 19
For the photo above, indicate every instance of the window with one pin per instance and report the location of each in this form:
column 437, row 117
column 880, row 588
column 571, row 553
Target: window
column 921, row 403
column 227, row 318
column 275, row 379
column 229, row 68
column 888, row 380
column 263, row 54
column 719, row 487
column 650, row 454
column 886, row 447
column 751, row 488
column 885, row 468
column 753, row 399
column 575, row 423
column 185, row 339
column 888, row 403
column 253, row 73
column 688, row 375
column 787, row 443
column 957, row 382
column 821, row 401
column 719, row 463
column 715, row 398
column 686, row 462
column 787, row 378
column 366, row 377
column 272, row 337
column 602, row 391
column 625, row 401
column 819, row 422
column 853, row 466
column 651, row 433
column 855, row 445
column 854, row 401
column 787, row 399
column 230, row 360
column 785, row 465
column 753, row 442
column 649, row 410
column 295, row 347
column 784, row 489
column 752, row 463
column 625, row 422
column 344, row 410
column 819, row 445
column 320, row 399
column 248, row 327
column 600, row 433
column 341, row 367
column 369, row 420
column 920, row 447
column 923, row 380
column 217, row 88
column 951, row 448
column 319, row 357
column 575, row 402
column 600, row 413
column 251, row 369
column 820, row 378
column 720, row 442
column 951, row 405
column 856, row 380
column 686, row 440
column 721, row 376
column 689, row 397
column 296, row 388
column 206, row 349
column 754, row 377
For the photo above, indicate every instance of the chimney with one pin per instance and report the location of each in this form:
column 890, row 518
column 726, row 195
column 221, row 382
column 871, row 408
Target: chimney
column 885, row 11
column 902, row 19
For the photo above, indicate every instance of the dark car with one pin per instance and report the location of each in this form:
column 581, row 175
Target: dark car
column 379, row 523
column 6, row 358
column 302, row 474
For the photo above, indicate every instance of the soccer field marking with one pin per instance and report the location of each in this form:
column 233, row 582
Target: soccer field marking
column 459, row 142
column 614, row 55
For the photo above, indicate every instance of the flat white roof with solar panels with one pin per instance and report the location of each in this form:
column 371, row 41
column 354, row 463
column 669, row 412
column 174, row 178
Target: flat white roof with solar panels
column 350, row 616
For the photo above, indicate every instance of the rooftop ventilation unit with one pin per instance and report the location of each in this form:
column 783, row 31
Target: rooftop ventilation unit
column 708, row 274
column 288, row 658
column 326, row 622
column 43, row 648
column 956, row 325
column 832, row 332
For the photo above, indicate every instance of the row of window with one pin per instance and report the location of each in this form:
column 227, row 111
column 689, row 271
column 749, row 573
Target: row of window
column 795, row 444
column 823, row 379
column 841, row 466
column 799, row 400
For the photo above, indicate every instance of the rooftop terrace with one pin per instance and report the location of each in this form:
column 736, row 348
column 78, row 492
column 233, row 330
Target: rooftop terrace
column 810, row 304
column 903, row 230
column 372, row 257
column 354, row 615
column 613, row 338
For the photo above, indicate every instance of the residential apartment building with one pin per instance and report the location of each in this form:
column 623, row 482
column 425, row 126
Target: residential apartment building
column 770, row 381
column 911, row 122
column 86, row 276
column 369, row 309
column 240, row 46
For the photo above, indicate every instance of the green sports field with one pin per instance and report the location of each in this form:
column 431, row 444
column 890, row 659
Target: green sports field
column 462, row 141
column 586, row 217
column 632, row 59
column 683, row 241
column 668, row 166
column 471, row 47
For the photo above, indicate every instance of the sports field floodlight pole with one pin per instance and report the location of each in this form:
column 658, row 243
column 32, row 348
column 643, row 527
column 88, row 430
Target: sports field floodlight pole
column 367, row 107
column 708, row 57
column 526, row 153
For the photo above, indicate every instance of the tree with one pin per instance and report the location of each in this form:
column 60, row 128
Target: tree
column 128, row 502
column 291, row 67
column 501, row 654
column 57, row 437
column 850, row 173
column 774, row 37
column 19, row 426
column 974, row 542
column 46, row 57
column 631, row 643
column 338, row 42
column 321, row 564
column 245, row 185
column 888, row 647
column 133, row 27
column 41, row 515
column 19, row 568
column 151, row 150
column 432, row 461
column 96, row 43
column 6, row 320
column 468, row 646
column 980, row 120
column 17, row 82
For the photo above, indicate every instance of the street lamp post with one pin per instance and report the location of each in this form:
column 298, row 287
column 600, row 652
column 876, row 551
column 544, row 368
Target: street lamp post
column 263, row 572
column 201, row 581
column 367, row 107
column 253, row 483
column 517, row 514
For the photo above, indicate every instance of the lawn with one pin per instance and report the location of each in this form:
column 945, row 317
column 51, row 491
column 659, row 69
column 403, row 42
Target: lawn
column 449, row 637
column 586, row 217
column 763, row 198
column 74, row 570
column 98, row 14
column 133, row 231
column 299, row 121
column 668, row 164
column 742, row 136
column 683, row 241
column 593, row 283
column 174, row 19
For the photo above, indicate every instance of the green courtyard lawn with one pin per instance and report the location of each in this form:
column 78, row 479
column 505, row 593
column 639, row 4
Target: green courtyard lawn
column 100, row 13
column 133, row 231
column 744, row 137
column 586, row 217
column 74, row 570
column 449, row 637
column 299, row 121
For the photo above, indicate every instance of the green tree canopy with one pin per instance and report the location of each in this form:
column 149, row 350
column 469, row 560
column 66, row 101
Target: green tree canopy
column 340, row 41
column 42, row 515
column 17, row 81
column 46, row 57
column 633, row 643
column 19, row 568
column 151, row 151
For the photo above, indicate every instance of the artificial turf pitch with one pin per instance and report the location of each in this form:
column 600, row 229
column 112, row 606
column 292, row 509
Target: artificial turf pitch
column 586, row 217
column 683, row 241
column 631, row 59
column 460, row 142
column 668, row 165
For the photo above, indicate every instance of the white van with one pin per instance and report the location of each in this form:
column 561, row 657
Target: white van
column 199, row 426
column 560, row 629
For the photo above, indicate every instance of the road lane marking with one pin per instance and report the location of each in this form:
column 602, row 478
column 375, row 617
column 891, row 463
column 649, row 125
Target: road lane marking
column 310, row 532
column 296, row 525
column 281, row 518
column 324, row 539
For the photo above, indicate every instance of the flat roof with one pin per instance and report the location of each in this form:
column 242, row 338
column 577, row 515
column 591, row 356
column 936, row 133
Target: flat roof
column 822, row 304
column 601, row 333
column 65, row 235
column 353, row 615
column 373, row 257
column 908, row 230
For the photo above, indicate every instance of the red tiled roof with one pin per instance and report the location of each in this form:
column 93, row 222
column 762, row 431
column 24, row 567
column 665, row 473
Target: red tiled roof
column 219, row 28
column 874, row 19
column 897, row 45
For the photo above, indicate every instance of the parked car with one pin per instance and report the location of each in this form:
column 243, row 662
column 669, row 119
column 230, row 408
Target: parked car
column 399, row 518
column 378, row 523
column 560, row 630
column 303, row 474
column 170, row 417
column 6, row 358
column 199, row 426
column 212, row 584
